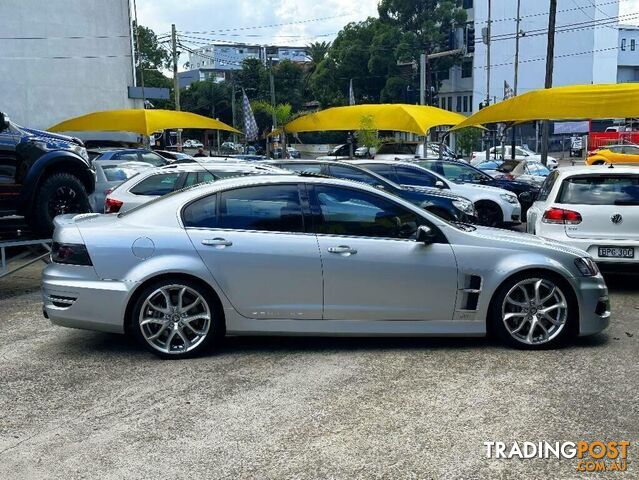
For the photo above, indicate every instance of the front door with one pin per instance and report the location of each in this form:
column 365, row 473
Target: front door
column 9, row 188
column 373, row 267
column 253, row 241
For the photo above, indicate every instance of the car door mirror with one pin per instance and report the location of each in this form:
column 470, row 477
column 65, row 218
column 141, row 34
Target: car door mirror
column 4, row 121
column 425, row 234
column 440, row 184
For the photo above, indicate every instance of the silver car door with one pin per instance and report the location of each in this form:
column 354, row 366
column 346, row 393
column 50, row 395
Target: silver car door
column 373, row 267
column 253, row 241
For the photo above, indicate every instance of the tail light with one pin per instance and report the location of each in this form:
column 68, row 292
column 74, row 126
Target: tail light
column 70, row 253
column 111, row 205
column 561, row 216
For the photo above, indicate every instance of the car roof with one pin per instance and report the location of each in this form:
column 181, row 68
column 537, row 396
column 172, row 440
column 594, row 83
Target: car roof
column 598, row 170
column 122, row 163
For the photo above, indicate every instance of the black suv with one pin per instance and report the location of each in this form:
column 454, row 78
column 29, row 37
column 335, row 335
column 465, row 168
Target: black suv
column 42, row 175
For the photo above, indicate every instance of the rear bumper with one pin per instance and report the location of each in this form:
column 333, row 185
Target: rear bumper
column 594, row 304
column 592, row 247
column 74, row 297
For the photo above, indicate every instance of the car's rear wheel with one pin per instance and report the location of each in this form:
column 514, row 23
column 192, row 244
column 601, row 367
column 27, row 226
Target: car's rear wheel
column 533, row 311
column 176, row 319
column 58, row 194
column 489, row 214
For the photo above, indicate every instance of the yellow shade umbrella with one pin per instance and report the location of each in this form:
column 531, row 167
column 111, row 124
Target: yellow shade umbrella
column 141, row 121
column 574, row 102
column 399, row 117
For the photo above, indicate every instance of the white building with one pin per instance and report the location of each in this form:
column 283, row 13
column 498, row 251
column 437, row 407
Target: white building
column 64, row 58
column 628, row 59
column 586, row 42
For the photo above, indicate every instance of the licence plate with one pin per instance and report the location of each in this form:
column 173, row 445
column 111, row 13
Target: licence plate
column 617, row 252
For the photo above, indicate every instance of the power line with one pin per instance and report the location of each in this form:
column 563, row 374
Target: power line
column 71, row 37
column 61, row 57
column 545, row 14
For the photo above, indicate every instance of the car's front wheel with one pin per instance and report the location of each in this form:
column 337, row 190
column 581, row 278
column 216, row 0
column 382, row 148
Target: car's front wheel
column 533, row 311
column 489, row 214
column 176, row 319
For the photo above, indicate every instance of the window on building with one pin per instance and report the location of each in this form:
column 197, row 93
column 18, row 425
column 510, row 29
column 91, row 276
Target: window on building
column 467, row 4
column 459, row 103
column 450, row 103
column 623, row 44
column 632, row 44
column 444, row 74
column 467, row 69
column 465, row 104
column 470, row 103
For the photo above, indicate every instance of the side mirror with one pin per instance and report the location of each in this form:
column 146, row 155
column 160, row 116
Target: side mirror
column 4, row 121
column 440, row 184
column 425, row 234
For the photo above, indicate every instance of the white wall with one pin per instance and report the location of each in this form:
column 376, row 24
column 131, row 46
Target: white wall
column 571, row 65
column 38, row 90
column 629, row 57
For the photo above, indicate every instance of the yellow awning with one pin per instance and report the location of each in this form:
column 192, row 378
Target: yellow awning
column 574, row 102
column 141, row 121
column 399, row 117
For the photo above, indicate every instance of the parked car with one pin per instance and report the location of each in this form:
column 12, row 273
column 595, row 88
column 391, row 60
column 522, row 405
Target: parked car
column 444, row 204
column 576, row 146
column 534, row 173
column 339, row 152
column 175, row 157
column 494, row 206
column 303, row 255
column 108, row 175
column 592, row 208
column 193, row 144
column 160, row 181
column 521, row 153
column 411, row 151
column 293, row 152
column 248, row 157
column 461, row 172
column 133, row 155
column 42, row 175
column 365, row 152
column 614, row 154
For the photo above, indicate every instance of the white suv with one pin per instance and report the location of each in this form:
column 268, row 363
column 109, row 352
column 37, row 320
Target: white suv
column 495, row 206
column 594, row 208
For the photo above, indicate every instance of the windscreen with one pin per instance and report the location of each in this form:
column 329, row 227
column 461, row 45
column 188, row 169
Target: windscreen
column 600, row 190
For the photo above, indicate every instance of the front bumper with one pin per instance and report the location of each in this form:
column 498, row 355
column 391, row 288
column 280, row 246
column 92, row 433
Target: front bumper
column 512, row 214
column 594, row 304
column 74, row 296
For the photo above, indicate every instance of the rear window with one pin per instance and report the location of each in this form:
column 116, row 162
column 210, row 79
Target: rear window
column 119, row 174
column 600, row 190
column 397, row 149
column 156, row 184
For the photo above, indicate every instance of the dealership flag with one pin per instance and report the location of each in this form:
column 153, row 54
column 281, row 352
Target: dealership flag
column 351, row 94
column 250, row 126
column 508, row 91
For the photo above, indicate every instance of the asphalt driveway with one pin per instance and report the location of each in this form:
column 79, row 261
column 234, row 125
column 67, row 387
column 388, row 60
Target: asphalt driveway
column 81, row 404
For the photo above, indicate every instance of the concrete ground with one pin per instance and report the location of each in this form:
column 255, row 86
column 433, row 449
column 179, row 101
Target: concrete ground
column 79, row 404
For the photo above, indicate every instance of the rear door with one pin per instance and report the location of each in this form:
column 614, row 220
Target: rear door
column 608, row 205
column 254, row 242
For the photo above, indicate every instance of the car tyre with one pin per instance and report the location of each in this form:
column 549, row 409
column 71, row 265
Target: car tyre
column 489, row 214
column 534, row 311
column 58, row 194
column 177, row 318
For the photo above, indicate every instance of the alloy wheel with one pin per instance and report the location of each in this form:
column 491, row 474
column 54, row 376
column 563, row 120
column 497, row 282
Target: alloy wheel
column 534, row 311
column 489, row 215
column 64, row 200
column 175, row 319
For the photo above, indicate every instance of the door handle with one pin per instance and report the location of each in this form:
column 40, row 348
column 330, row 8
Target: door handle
column 217, row 242
column 343, row 250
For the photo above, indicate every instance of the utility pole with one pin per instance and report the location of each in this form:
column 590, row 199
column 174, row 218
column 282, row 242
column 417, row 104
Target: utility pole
column 513, row 142
column 272, row 87
column 233, row 106
column 176, row 83
column 550, row 54
column 422, row 79
column 488, row 40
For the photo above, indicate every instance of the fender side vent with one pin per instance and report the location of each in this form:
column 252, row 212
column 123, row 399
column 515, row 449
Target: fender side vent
column 471, row 292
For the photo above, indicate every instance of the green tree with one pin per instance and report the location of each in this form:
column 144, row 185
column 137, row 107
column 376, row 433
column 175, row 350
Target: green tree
column 150, row 60
column 283, row 114
column 316, row 52
column 468, row 139
column 367, row 133
column 288, row 78
column 209, row 99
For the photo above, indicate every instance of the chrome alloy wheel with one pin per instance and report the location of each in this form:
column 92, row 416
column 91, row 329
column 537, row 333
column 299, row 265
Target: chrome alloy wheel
column 534, row 311
column 175, row 319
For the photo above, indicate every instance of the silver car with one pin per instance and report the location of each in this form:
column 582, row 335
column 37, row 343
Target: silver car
column 307, row 255
column 109, row 174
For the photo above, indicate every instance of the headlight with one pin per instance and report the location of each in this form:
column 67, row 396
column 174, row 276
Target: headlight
column 465, row 206
column 587, row 266
column 509, row 197
column 81, row 151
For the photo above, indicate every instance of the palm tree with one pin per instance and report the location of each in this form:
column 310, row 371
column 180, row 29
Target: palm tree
column 316, row 52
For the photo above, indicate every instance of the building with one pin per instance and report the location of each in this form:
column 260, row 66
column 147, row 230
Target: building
column 217, row 60
column 64, row 58
column 586, row 42
column 628, row 59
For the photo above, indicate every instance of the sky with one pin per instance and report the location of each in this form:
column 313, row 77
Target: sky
column 298, row 22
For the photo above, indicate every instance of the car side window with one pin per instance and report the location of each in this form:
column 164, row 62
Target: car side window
column 156, row 184
column 153, row 158
column 411, row 176
column 191, row 179
column 127, row 156
column 274, row 208
column 340, row 171
column 350, row 212
column 462, row 173
column 386, row 171
column 302, row 167
column 547, row 186
column 201, row 213
column 204, row 177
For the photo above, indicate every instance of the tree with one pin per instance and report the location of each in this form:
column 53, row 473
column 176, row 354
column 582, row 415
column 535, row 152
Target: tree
column 367, row 133
column 288, row 78
column 208, row 98
column 283, row 114
column 316, row 52
column 150, row 59
column 468, row 139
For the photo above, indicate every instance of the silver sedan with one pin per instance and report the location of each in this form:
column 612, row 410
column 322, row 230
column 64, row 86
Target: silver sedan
column 289, row 254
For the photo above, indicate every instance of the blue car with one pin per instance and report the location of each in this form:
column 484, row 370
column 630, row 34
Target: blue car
column 133, row 155
column 444, row 204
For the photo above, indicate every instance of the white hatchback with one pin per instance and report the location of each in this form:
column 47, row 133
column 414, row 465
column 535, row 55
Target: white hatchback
column 594, row 208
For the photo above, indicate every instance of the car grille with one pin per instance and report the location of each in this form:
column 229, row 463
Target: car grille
column 60, row 301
